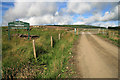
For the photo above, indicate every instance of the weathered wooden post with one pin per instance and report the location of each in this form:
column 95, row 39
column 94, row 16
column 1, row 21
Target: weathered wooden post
column 113, row 34
column 77, row 31
column 59, row 36
column 98, row 31
column 51, row 42
column 102, row 31
column 105, row 32
column 34, row 49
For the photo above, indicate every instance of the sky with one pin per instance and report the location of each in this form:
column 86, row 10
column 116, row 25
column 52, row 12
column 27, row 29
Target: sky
column 67, row 12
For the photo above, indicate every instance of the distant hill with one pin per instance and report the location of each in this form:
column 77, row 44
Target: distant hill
column 79, row 26
column 116, row 28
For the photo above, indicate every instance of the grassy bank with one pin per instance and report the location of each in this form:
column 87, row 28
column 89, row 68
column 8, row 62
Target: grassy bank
column 112, row 36
column 18, row 60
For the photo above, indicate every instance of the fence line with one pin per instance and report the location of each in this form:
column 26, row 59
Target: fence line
column 51, row 41
column 34, row 49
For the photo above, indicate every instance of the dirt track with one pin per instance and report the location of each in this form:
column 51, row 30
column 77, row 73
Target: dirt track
column 96, row 58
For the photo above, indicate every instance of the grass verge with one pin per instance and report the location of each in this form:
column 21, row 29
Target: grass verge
column 112, row 40
column 18, row 60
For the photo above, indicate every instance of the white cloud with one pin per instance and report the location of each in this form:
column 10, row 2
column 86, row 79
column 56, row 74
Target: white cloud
column 91, row 19
column 93, row 0
column 63, row 19
column 46, row 19
column 49, row 19
column 108, row 16
column 60, row 0
column 105, row 24
column 112, row 15
column 79, row 8
column 30, row 11
column 79, row 23
column 85, row 7
column 57, row 13
column 36, row 12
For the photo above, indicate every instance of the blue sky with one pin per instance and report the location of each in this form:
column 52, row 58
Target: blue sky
column 6, row 6
column 62, row 13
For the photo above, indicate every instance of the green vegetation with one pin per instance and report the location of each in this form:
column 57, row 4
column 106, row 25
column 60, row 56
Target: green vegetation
column 79, row 26
column 113, row 38
column 114, row 28
column 18, row 60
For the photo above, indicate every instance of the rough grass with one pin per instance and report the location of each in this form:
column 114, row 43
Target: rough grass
column 18, row 60
column 114, row 38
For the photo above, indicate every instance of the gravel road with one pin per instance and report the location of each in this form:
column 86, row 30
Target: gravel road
column 96, row 58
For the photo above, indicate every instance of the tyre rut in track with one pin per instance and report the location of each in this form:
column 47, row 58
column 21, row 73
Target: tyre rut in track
column 94, row 60
column 109, row 59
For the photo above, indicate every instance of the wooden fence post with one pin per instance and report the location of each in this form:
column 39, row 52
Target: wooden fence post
column 103, row 31
column 98, row 31
column 113, row 34
column 51, row 42
column 77, row 31
column 59, row 36
column 34, row 49
column 109, row 33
